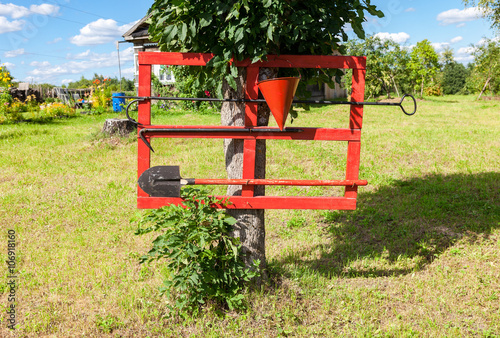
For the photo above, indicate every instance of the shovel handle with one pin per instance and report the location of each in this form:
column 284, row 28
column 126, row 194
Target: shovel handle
column 257, row 181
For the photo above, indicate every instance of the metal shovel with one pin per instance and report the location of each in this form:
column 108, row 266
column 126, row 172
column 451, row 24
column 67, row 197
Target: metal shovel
column 166, row 181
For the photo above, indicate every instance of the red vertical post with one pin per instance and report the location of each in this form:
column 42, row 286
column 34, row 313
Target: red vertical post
column 249, row 146
column 144, row 118
column 355, row 122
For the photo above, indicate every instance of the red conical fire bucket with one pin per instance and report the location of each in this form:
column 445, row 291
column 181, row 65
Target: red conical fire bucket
column 278, row 94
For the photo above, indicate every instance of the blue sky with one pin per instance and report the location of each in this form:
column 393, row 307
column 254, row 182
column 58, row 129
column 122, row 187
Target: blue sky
column 58, row 41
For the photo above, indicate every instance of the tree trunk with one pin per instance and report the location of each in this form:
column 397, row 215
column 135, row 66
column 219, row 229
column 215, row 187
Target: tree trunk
column 385, row 87
column 250, row 227
column 395, row 86
column 119, row 127
column 484, row 88
column 422, row 88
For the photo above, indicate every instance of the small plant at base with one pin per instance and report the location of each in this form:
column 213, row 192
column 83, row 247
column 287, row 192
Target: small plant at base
column 203, row 259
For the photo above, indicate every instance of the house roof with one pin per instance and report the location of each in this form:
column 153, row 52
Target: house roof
column 139, row 31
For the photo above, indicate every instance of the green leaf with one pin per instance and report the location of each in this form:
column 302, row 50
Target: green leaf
column 231, row 81
column 183, row 33
column 234, row 70
column 263, row 23
column 270, row 30
column 192, row 27
column 358, row 29
column 172, row 33
column 238, row 36
column 205, row 19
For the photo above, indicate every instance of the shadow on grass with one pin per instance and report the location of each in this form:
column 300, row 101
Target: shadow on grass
column 403, row 227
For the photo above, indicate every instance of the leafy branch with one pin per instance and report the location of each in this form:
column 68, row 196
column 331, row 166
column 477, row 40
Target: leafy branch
column 203, row 260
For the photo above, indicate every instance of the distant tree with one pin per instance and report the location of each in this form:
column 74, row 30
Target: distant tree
column 453, row 75
column 387, row 62
column 454, row 78
column 487, row 65
column 424, row 64
column 127, row 85
column 252, row 29
column 447, row 56
column 80, row 84
column 491, row 10
column 112, row 83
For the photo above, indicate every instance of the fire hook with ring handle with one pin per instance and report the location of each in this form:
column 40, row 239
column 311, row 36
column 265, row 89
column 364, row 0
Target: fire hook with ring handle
column 128, row 106
column 414, row 105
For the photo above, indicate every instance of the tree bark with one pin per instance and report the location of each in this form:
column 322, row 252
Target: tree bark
column 250, row 226
column 120, row 127
column 484, row 87
column 395, row 86
column 422, row 88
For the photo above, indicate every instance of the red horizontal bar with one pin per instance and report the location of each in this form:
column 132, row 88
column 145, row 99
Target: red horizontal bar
column 174, row 59
column 283, row 61
column 257, row 181
column 309, row 61
column 262, row 202
column 318, row 134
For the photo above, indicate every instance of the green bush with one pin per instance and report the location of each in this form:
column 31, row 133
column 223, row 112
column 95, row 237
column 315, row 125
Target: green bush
column 203, row 260
column 454, row 77
column 193, row 82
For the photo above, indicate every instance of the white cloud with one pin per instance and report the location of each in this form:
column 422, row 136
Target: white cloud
column 400, row 37
column 128, row 72
column 411, row 9
column 80, row 63
column 14, row 53
column 484, row 41
column 464, row 54
column 66, row 81
column 456, row 39
column 125, row 55
column 8, row 64
column 10, row 26
column 465, row 50
column 44, row 9
column 40, row 64
column 457, row 16
column 83, row 55
column 100, row 32
column 439, row 46
column 16, row 12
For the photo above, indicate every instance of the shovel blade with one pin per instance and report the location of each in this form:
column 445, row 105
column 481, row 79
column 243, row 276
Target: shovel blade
column 161, row 181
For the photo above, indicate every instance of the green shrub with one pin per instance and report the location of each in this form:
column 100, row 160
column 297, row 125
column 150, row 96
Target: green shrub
column 454, row 77
column 193, row 82
column 203, row 260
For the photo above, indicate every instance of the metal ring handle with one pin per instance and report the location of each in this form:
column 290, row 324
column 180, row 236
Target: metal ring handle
column 414, row 104
column 128, row 106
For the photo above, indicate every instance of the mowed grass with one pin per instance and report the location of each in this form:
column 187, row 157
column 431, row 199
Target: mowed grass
column 420, row 257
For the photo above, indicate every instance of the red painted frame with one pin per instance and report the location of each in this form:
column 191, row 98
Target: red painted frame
column 247, row 200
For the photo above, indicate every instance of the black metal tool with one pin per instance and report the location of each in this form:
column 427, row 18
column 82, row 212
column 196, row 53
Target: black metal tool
column 142, row 98
column 166, row 181
column 213, row 130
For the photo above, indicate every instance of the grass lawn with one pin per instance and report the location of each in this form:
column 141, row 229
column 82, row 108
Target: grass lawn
column 419, row 257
